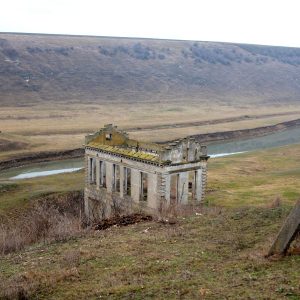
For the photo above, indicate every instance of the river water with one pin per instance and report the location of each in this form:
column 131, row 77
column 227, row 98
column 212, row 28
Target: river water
column 290, row 136
column 43, row 169
column 287, row 137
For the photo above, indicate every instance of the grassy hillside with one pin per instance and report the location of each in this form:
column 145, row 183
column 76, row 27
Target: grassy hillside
column 218, row 254
column 68, row 68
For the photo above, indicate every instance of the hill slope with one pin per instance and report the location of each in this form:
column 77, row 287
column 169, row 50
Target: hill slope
column 36, row 68
column 217, row 254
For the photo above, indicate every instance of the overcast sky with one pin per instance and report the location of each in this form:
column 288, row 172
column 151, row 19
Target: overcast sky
column 269, row 22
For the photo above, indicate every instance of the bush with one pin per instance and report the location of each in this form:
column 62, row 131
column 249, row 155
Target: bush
column 53, row 218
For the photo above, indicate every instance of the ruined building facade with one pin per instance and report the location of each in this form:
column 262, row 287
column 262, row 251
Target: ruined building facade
column 124, row 175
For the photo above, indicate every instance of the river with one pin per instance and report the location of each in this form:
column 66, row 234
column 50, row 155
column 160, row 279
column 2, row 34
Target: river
column 221, row 149
column 282, row 138
column 43, row 169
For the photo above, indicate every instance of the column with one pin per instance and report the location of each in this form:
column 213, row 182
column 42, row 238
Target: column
column 135, row 185
column 183, row 188
column 166, row 187
column 109, row 176
column 122, row 177
column 192, row 176
column 153, row 199
column 198, row 189
column 89, row 170
column 174, row 179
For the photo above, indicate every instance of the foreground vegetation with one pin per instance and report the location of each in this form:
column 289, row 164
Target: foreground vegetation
column 217, row 253
column 17, row 195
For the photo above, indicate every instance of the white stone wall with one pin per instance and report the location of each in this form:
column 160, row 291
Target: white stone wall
column 158, row 183
column 109, row 176
column 183, row 186
column 153, row 195
column 135, row 185
column 199, row 185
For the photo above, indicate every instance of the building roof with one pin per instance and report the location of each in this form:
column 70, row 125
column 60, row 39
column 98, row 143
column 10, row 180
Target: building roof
column 114, row 141
column 127, row 152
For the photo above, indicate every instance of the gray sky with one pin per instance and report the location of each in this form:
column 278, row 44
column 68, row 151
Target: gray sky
column 269, row 22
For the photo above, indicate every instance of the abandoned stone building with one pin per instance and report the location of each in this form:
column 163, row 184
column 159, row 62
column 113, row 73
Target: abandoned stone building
column 123, row 175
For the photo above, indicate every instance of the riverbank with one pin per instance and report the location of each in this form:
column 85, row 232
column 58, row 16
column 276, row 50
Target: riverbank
column 39, row 157
column 246, row 133
column 22, row 160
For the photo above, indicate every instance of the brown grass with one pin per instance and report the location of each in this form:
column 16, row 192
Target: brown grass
column 215, row 253
column 53, row 218
column 218, row 254
column 39, row 127
column 23, row 285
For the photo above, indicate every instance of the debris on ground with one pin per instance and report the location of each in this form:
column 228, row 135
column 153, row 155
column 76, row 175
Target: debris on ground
column 122, row 221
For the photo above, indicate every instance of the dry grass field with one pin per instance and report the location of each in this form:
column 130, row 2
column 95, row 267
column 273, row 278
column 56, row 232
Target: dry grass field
column 217, row 254
column 55, row 126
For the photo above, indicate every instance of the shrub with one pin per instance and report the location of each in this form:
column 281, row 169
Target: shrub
column 53, row 218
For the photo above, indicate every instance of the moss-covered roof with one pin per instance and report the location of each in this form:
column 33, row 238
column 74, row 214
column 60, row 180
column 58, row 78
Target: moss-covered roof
column 144, row 145
column 127, row 152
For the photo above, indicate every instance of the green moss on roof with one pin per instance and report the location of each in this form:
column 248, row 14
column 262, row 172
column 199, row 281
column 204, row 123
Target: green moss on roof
column 125, row 151
column 144, row 145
